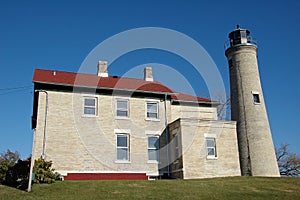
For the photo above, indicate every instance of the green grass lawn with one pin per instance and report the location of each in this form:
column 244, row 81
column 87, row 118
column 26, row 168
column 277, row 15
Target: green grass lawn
column 241, row 188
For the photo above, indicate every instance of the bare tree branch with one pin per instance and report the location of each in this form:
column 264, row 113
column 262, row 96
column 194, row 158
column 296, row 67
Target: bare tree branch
column 224, row 107
column 288, row 162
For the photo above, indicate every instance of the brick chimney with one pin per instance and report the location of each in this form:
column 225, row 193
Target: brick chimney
column 102, row 69
column 148, row 74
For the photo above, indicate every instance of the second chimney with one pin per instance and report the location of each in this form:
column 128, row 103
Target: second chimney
column 148, row 74
column 102, row 69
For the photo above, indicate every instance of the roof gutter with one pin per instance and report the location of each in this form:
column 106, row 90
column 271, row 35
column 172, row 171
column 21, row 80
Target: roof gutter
column 196, row 102
column 131, row 90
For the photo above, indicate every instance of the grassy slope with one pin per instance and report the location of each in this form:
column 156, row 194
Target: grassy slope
column 219, row 188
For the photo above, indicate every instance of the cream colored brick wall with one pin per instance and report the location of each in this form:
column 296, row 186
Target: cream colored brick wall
column 257, row 151
column 78, row 143
column 195, row 162
column 192, row 111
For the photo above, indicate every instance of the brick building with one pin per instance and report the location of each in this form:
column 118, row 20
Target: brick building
column 106, row 127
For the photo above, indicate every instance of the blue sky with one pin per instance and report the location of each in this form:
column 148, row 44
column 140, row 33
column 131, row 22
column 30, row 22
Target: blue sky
column 60, row 34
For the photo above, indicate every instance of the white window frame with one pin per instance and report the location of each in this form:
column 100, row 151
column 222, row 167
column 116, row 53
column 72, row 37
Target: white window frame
column 116, row 106
column 123, row 132
column 209, row 147
column 151, row 148
column 120, row 147
column 258, row 96
column 88, row 106
column 157, row 110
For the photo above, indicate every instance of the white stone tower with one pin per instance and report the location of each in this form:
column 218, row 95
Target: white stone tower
column 256, row 149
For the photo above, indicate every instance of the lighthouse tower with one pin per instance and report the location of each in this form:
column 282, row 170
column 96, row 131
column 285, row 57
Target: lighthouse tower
column 256, row 149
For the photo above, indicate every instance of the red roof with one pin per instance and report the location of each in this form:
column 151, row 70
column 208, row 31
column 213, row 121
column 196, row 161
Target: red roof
column 91, row 80
column 187, row 97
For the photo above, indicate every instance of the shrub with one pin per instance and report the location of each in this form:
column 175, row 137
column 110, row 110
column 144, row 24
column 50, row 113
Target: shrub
column 17, row 175
column 44, row 173
column 14, row 172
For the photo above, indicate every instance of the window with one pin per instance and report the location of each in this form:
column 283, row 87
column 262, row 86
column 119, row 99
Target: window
column 122, row 108
column 230, row 64
column 243, row 34
column 90, row 105
column 153, row 145
column 176, row 144
column 256, row 98
column 211, row 148
column 152, row 110
column 122, row 147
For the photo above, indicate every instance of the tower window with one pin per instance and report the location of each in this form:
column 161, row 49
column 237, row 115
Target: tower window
column 256, row 98
column 230, row 63
column 243, row 34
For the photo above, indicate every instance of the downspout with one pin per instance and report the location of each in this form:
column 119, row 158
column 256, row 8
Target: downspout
column 167, row 134
column 43, row 156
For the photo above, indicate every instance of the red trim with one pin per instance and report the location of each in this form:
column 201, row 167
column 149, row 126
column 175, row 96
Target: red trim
column 106, row 176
